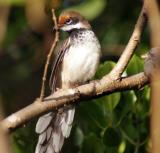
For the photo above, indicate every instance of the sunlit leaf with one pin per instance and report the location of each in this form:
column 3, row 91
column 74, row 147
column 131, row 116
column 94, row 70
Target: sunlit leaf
column 90, row 8
column 122, row 147
column 13, row 2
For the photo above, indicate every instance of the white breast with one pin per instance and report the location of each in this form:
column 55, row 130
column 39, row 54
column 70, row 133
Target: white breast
column 80, row 62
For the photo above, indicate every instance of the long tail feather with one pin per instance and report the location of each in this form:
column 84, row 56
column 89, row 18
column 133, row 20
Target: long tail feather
column 52, row 129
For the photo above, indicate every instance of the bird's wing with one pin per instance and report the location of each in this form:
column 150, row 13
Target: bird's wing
column 55, row 126
column 57, row 65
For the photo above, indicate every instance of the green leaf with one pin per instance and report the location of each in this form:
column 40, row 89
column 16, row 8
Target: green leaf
column 90, row 8
column 92, row 115
column 111, row 101
column 122, row 147
column 129, row 129
column 24, row 139
column 111, row 137
column 12, row 2
column 135, row 65
column 79, row 137
column 108, row 102
column 104, row 69
column 128, row 98
column 15, row 147
column 92, row 144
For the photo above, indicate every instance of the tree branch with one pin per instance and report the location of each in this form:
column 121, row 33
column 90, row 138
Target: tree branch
column 131, row 46
column 61, row 98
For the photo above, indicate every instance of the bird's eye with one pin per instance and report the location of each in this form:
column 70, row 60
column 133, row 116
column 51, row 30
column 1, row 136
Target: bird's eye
column 68, row 21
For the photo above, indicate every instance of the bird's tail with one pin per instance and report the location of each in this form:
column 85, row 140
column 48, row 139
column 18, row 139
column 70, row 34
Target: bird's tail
column 53, row 128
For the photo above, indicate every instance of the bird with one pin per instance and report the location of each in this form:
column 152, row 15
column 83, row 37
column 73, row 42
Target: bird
column 152, row 62
column 75, row 64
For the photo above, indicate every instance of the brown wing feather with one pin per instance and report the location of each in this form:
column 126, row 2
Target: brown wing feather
column 53, row 82
column 55, row 126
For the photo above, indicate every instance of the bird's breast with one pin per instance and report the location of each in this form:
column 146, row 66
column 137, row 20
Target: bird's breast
column 80, row 62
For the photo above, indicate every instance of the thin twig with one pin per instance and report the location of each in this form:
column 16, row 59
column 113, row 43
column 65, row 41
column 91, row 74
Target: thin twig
column 131, row 46
column 49, row 55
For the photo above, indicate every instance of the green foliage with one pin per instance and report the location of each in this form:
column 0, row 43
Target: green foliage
column 135, row 65
column 12, row 2
column 114, row 120
column 111, row 137
column 92, row 144
column 24, row 140
column 90, row 8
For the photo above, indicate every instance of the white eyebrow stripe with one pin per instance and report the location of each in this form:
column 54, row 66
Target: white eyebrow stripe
column 78, row 25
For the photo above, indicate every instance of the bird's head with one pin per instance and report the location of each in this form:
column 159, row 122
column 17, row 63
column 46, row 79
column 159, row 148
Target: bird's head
column 70, row 20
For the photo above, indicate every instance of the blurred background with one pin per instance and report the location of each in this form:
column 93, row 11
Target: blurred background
column 118, row 123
